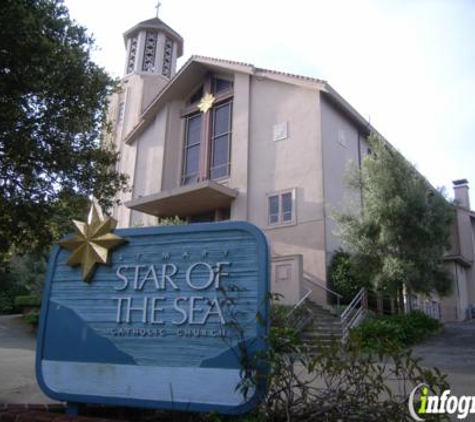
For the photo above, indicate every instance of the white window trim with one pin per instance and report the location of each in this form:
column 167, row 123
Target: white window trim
column 282, row 223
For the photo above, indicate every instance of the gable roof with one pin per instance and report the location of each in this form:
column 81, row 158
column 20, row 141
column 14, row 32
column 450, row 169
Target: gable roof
column 197, row 66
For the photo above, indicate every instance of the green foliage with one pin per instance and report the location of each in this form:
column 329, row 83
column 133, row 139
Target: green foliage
column 28, row 272
column 53, row 102
column 9, row 289
column 332, row 382
column 344, row 277
column 399, row 237
column 171, row 221
column 33, row 317
column 6, row 303
column 385, row 334
column 20, row 276
column 27, row 300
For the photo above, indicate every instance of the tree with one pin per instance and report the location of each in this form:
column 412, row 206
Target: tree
column 344, row 278
column 53, row 100
column 398, row 238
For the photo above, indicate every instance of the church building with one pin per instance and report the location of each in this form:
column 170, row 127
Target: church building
column 223, row 140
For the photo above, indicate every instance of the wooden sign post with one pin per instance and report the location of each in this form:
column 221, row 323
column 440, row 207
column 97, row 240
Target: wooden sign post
column 166, row 323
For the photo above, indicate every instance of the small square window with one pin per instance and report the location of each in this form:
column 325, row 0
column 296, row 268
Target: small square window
column 221, row 85
column 280, row 131
column 281, row 208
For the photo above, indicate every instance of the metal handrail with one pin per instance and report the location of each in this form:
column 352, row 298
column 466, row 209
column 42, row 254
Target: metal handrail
column 322, row 286
column 353, row 303
column 300, row 302
column 353, row 313
column 353, row 322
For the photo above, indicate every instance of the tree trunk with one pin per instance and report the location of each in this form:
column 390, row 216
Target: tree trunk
column 393, row 306
column 409, row 301
column 400, row 293
column 379, row 303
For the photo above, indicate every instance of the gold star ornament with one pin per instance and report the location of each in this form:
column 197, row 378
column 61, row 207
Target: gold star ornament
column 206, row 102
column 92, row 243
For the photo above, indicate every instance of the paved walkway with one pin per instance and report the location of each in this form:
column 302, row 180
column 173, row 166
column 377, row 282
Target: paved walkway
column 453, row 352
column 17, row 363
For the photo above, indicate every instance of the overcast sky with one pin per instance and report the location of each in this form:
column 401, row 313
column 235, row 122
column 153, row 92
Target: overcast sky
column 407, row 65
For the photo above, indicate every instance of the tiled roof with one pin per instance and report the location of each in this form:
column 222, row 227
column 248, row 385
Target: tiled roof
column 255, row 69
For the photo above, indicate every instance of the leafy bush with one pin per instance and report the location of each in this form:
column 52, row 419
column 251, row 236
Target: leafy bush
column 6, row 303
column 343, row 276
column 396, row 331
column 27, row 300
column 33, row 317
column 332, row 382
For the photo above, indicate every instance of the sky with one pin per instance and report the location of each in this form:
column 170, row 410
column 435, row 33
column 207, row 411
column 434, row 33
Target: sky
column 408, row 65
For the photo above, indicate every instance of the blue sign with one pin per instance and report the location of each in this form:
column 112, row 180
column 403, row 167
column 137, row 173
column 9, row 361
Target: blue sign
column 166, row 324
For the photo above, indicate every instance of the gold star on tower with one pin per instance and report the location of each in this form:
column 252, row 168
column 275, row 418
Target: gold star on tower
column 92, row 243
column 206, row 102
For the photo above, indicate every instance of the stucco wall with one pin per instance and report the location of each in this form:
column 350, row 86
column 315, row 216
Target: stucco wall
column 173, row 146
column 343, row 150
column 239, row 177
column 150, row 147
column 291, row 163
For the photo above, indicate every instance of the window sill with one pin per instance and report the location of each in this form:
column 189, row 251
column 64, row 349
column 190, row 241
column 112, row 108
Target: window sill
column 280, row 225
column 222, row 180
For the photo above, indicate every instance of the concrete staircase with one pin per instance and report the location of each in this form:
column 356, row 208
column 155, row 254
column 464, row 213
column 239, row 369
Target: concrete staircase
column 322, row 325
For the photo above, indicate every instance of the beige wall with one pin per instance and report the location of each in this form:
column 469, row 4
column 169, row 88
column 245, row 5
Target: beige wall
column 343, row 150
column 292, row 163
column 240, row 148
column 173, row 151
column 460, row 262
column 150, row 149
column 465, row 233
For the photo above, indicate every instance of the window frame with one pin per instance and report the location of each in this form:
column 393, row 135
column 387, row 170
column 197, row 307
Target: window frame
column 280, row 212
column 213, row 137
column 187, row 147
column 207, row 128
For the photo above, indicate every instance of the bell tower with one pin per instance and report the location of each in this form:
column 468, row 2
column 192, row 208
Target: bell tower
column 152, row 48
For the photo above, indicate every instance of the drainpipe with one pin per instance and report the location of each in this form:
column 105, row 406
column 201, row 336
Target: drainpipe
column 458, row 291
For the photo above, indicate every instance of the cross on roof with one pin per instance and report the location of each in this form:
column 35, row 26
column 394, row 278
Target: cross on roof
column 158, row 7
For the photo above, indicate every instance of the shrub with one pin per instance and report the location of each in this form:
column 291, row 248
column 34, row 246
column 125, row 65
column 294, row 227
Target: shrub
column 27, row 300
column 397, row 331
column 344, row 277
column 33, row 317
column 340, row 383
column 6, row 303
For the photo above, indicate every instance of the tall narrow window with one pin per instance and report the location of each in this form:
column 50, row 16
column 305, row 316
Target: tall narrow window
column 191, row 162
column 167, row 58
column 132, row 55
column 149, row 52
column 221, row 141
column 208, row 131
column 121, row 112
column 287, row 215
column 274, row 209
